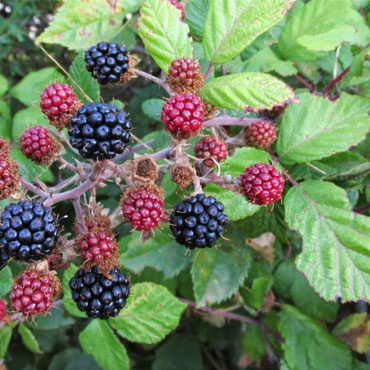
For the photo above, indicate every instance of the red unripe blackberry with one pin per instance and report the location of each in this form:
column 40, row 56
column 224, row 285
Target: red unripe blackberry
column 143, row 207
column 97, row 246
column 59, row 103
column 183, row 115
column 183, row 70
column 211, row 149
column 9, row 177
column 34, row 292
column 38, row 145
column 178, row 6
column 260, row 134
column 262, row 184
column 2, row 309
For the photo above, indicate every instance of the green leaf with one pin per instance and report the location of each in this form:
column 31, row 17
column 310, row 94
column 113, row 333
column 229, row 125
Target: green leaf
column 251, row 91
column 160, row 252
column 165, row 37
column 6, row 281
column 253, row 343
column 152, row 312
column 4, row 85
column 254, row 296
column 236, row 207
column 318, row 128
column 217, row 275
column 153, row 108
column 314, row 18
column 308, row 344
column 179, row 352
column 130, row 6
column 68, row 303
column 29, row 339
column 290, row 283
column 98, row 340
column 5, row 120
column 196, row 13
column 55, row 320
column 232, row 25
column 354, row 330
column 29, row 89
column 5, row 335
column 336, row 252
column 81, row 23
column 84, row 79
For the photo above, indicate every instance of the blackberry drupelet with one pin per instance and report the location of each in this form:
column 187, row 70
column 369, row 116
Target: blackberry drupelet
column 260, row 134
column 98, row 295
column 198, row 221
column 100, row 131
column 107, row 62
column 211, row 149
column 28, row 230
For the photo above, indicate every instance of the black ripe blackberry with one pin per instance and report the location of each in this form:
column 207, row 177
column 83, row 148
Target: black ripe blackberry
column 197, row 222
column 28, row 230
column 107, row 61
column 98, row 295
column 99, row 131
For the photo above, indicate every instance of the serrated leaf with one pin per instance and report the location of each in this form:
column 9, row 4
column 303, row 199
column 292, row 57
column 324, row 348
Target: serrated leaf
column 5, row 120
column 165, row 37
column 336, row 251
column 217, row 275
column 29, row 89
column 6, row 281
column 307, row 344
column 355, row 330
column 151, row 313
column 196, row 13
column 314, row 18
column 5, row 335
column 161, row 252
column 55, row 320
column 236, row 207
column 317, row 128
column 98, row 340
column 290, row 283
column 254, row 296
column 84, row 79
column 232, row 25
column 4, row 85
column 29, row 339
column 253, row 343
column 153, row 108
column 68, row 303
column 251, row 91
column 169, row 357
column 80, row 24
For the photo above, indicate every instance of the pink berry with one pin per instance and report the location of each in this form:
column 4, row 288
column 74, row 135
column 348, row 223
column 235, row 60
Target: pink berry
column 97, row 246
column 211, row 149
column 260, row 134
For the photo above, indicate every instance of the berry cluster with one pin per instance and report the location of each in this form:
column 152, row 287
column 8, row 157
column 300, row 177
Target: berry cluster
column 262, row 184
column 59, row 103
column 28, row 230
column 143, row 207
column 38, row 145
column 260, row 134
column 34, row 292
column 98, row 295
column 107, row 62
column 198, row 221
column 183, row 115
column 184, row 76
column 212, row 150
column 97, row 246
column 99, row 131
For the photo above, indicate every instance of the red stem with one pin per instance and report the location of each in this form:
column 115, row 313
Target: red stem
column 209, row 70
column 304, row 82
column 333, row 82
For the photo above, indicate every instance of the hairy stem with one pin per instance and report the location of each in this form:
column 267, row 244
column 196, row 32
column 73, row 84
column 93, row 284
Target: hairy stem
column 230, row 121
column 154, row 79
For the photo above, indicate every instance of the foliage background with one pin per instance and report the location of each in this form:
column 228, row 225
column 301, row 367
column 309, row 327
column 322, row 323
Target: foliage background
column 268, row 285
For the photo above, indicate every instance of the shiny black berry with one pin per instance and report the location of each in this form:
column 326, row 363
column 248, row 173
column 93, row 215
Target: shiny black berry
column 198, row 222
column 107, row 61
column 28, row 231
column 98, row 295
column 99, row 131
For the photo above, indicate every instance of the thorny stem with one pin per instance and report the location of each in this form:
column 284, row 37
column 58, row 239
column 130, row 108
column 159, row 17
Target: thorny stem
column 333, row 82
column 33, row 188
column 230, row 121
column 154, row 79
column 79, row 215
column 231, row 316
column 304, row 82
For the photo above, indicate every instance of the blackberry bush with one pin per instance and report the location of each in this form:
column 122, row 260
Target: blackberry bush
column 245, row 121
column 100, row 131
column 98, row 295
